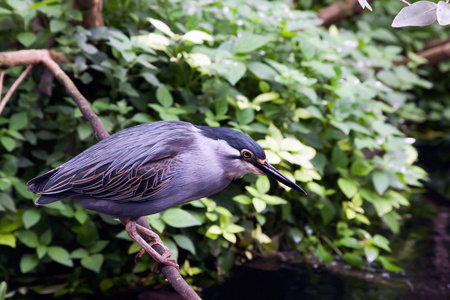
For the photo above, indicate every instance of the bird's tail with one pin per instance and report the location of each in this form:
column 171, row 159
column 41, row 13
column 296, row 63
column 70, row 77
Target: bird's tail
column 37, row 185
column 47, row 199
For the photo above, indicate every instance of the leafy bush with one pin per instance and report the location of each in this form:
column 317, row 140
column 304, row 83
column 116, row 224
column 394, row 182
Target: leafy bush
column 326, row 105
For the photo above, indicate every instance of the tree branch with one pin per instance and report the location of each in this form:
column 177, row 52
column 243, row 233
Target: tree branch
column 433, row 55
column 50, row 59
column 92, row 12
column 339, row 11
column 13, row 87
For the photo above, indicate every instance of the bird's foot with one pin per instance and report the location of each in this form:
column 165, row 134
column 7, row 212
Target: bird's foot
column 146, row 241
column 154, row 239
column 166, row 260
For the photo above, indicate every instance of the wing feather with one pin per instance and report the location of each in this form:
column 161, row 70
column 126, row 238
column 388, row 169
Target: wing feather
column 134, row 164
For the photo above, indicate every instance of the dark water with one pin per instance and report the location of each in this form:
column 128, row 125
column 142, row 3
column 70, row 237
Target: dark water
column 301, row 282
column 422, row 249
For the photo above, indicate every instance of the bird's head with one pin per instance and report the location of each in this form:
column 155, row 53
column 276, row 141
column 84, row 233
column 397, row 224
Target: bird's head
column 243, row 155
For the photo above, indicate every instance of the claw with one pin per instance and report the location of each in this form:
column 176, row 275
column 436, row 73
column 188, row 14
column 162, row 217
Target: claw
column 139, row 255
column 133, row 228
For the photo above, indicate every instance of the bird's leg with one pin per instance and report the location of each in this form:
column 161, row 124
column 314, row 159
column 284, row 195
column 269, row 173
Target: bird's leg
column 132, row 229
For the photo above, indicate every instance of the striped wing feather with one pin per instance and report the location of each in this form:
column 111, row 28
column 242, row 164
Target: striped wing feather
column 120, row 184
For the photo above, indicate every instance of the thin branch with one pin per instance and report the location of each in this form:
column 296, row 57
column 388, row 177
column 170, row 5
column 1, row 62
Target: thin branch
column 1, row 83
column 405, row 2
column 13, row 87
column 339, row 11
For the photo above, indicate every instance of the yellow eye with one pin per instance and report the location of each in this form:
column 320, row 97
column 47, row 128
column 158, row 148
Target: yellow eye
column 246, row 153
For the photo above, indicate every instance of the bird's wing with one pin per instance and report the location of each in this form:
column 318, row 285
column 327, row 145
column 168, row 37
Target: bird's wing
column 120, row 184
column 131, row 165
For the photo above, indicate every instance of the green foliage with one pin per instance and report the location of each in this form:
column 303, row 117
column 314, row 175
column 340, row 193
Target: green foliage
column 327, row 105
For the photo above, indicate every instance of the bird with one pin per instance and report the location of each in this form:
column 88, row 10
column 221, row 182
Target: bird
column 145, row 169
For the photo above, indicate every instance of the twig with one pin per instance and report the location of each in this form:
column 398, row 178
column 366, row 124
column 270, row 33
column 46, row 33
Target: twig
column 405, row 2
column 13, row 87
column 2, row 74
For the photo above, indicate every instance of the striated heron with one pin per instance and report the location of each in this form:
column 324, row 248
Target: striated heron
column 145, row 169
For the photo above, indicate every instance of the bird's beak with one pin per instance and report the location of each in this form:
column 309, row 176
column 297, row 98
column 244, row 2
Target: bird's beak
column 270, row 171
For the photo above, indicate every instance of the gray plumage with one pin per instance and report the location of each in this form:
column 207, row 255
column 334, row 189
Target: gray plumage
column 145, row 169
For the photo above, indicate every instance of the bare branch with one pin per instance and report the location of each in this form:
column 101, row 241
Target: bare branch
column 13, row 87
column 92, row 12
column 433, row 55
column 339, row 11
column 405, row 2
column 2, row 74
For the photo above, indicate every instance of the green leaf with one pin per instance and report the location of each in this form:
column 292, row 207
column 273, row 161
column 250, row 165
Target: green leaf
column 151, row 78
column 18, row 121
column 8, row 143
column 327, row 211
column 84, row 130
column 380, row 180
column 7, row 225
column 323, row 254
column 57, row 25
column 360, row 168
column 163, row 96
column 245, row 116
column 98, row 246
column 392, row 220
column 4, row 11
column 28, row 262
column 26, row 38
column 79, row 253
column 27, row 237
column 388, row 265
column 31, row 217
column 339, row 158
column 381, row 204
column 248, row 42
column 231, row 237
column 7, row 202
column 242, row 199
column 262, row 70
column 214, row 230
column 296, row 235
column 350, row 242
column 348, row 187
column 178, row 218
column 184, row 242
column 232, row 70
column 41, row 251
column 93, row 262
column 46, row 237
column 381, row 242
column 371, row 253
column 233, row 228
column 161, row 26
column 60, row 255
column 8, row 239
column 353, row 259
column 259, row 204
column 263, row 184
column 3, row 285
